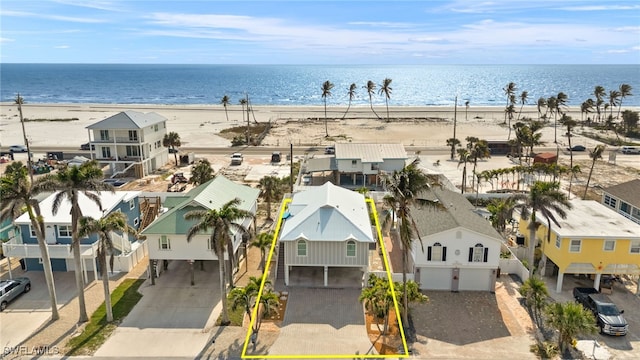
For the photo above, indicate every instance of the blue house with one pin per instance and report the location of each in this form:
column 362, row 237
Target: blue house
column 58, row 232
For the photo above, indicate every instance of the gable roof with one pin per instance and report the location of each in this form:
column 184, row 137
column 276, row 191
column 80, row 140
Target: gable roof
column 109, row 201
column 370, row 153
column 457, row 212
column 327, row 213
column 211, row 195
column 628, row 191
column 128, row 120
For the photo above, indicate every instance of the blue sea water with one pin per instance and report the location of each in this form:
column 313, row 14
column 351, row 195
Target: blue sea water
column 417, row 85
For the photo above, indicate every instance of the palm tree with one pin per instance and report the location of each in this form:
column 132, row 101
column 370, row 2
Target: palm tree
column 586, row 107
column 501, row 213
column 18, row 195
column 524, row 96
column 244, row 296
column 403, row 189
column 624, row 90
column 535, row 292
column 221, row 223
column 542, row 103
column 570, row 319
column 479, row 150
column 614, row 100
column 352, row 95
column 243, row 104
column 271, row 190
column 385, row 89
column 464, row 156
column 466, row 109
column 378, row 298
column 115, row 221
column 326, row 91
column 599, row 93
column 545, row 199
column 70, row 183
column 594, row 154
column 371, row 90
column 453, row 143
column 263, row 242
column 19, row 100
column 509, row 91
column 172, row 140
column 570, row 124
column 201, row 172
column 225, row 101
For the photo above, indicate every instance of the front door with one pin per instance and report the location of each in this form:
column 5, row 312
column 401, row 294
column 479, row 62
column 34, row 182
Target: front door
column 50, row 234
column 455, row 279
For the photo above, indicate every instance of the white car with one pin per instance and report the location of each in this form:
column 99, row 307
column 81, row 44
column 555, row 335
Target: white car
column 18, row 148
column 236, row 159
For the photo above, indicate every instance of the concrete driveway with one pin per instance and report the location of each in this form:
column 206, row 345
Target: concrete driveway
column 29, row 311
column 172, row 318
column 321, row 321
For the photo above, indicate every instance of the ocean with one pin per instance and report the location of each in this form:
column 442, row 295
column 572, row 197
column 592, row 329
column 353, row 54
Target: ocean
column 412, row 85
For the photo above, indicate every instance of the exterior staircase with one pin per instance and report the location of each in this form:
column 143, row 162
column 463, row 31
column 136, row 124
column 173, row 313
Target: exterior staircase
column 280, row 268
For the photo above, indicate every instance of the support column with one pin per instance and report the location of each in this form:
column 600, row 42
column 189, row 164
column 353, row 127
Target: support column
column 559, row 282
column 542, row 266
column 83, row 266
column 95, row 268
column 596, row 282
column 286, row 275
column 326, row 276
column 9, row 265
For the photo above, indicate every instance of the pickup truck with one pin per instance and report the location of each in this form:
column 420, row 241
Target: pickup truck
column 236, row 159
column 609, row 318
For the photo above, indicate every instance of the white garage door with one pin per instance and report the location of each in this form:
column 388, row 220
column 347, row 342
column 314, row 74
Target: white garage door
column 435, row 278
column 475, row 279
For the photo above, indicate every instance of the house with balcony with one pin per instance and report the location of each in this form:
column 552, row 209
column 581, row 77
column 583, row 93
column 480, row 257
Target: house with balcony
column 58, row 234
column 167, row 234
column 361, row 165
column 624, row 199
column 592, row 241
column 325, row 237
column 458, row 249
column 130, row 143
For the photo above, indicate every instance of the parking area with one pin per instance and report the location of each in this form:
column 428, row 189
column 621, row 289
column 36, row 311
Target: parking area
column 337, row 277
column 172, row 318
column 29, row 311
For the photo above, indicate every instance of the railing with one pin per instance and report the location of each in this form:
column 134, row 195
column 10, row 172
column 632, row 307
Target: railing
column 629, row 216
column 56, row 251
column 117, row 139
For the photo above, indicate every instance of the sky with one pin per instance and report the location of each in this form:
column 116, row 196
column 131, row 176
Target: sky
column 320, row 32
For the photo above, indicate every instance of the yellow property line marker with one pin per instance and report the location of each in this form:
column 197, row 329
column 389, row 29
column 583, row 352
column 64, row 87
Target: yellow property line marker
column 244, row 355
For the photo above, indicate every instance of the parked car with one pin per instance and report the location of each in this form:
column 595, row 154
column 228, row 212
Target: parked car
column 173, row 151
column 18, row 148
column 330, row 150
column 276, row 157
column 10, row 289
column 577, row 148
column 236, row 159
column 609, row 319
column 86, row 146
column 630, row 150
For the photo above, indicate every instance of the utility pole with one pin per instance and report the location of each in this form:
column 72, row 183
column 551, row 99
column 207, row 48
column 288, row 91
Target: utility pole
column 455, row 117
column 248, row 133
column 19, row 101
column 291, row 166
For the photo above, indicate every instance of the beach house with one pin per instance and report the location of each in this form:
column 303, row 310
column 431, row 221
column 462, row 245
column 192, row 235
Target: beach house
column 129, row 142
column 326, row 237
column 624, row 199
column 592, row 240
column 459, row 250
column 167, row 235
column 58, row 234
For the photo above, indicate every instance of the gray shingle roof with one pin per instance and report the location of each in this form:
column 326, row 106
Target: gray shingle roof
column 128, row 120
column 458, row 212
column 370, row 153
column 628, row 191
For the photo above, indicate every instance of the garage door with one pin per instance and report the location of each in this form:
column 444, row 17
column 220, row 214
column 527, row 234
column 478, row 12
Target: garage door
column 435, row 278
column 475, row 279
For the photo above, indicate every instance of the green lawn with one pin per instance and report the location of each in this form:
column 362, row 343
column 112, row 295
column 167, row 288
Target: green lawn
column 123, row 299
column 235, row 316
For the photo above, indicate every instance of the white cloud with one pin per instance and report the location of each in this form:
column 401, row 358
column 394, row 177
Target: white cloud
column 600, row 8
column 93, row 4
column 378, row 24
column 628, row 29
column 3, row 39
column 52, row 17
column 621, row 51
column 62, row 47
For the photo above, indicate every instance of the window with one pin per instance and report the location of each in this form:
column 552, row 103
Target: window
column 302, row 248
column 635, row 213
column 575, row 245
column 351, row 248
column 104, row 135
column 354, row 163
column 437, row 252
column 478, row 253
column 609, row 201
column 64, row 230
column 106, row 152
column 32, row 231
column 165, row 243
column 133, row 135
column 155, row 127
column 635, row 247
column 558, row 241
column 132, row 204
column 133, row 151
column 40, row 261
column 609, row 245
column 624, row 207
column 136, row 222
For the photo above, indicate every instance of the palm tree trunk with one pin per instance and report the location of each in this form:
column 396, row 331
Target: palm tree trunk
column 192, row 273
column 269, row 208
column 405, row 295
column 348, row 107
column 223, row 289
column 371, row 104
column 105, row 286
column 584, row 197
column 46, row 264
column 326, row 128
column 77, row 262
column 175, row 156
column 387, row 103
column 532, row 243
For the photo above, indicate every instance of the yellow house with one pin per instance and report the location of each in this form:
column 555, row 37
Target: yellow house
column 591, row 240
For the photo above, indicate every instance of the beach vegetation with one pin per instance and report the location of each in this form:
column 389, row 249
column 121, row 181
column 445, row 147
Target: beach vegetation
column 220, row 223
column 541, row 104
column 352, row 95
column 18, row 196
column 385, row 89
column 501, row 210
column 595, row 155
column 453, row 143
column 524, row 96
column 570, row 124
column 569, row 319
column 327, row 86
column 225, row 101
column 104, row 227
column 630, row 122
column 371, row 90
column 172, row 140
column 263, row 242
column 463, row 158
column 599, row 93
column 201, row 172
column 51, row 120
column 624, row 91
column 271, row 189
column 70, row 182
column 535, row 292
column 509, row 111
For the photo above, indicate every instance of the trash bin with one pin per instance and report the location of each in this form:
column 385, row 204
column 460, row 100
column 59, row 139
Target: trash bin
column 23, row 265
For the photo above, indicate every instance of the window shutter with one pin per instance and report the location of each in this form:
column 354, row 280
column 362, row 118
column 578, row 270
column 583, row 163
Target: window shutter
column 470, row 254
column 428, row 253
column 486, row 254
column 160, row 243
column 444, row 253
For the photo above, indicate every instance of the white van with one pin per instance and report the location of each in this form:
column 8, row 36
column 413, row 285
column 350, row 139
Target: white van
column 630, row 149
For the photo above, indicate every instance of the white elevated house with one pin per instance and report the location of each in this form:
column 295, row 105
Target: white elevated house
column 167, row 235
column 327, row 227
column 625, row 199
column 460, row 250
column 129, row 140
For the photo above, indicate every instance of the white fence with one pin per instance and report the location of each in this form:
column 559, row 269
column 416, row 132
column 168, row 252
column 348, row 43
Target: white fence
column 126, row 262
column 513, row 265
column 383, row 274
